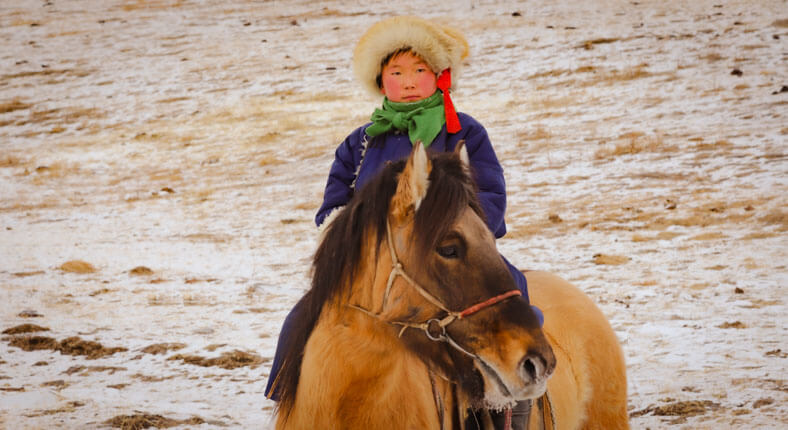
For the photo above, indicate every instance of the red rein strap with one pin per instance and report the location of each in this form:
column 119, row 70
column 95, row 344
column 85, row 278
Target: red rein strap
column 508, row 419
column 489, row 302
column 452, row 120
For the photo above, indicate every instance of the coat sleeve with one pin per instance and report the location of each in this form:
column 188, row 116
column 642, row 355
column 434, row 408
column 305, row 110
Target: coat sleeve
column 488, row 174
column 339, row 186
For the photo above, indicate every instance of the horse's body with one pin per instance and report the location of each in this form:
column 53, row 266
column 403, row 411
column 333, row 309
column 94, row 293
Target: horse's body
column 384, row 345
column 589, row 386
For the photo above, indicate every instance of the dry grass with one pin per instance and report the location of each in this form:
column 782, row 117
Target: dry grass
column 11, row 161
column 77, row 266
column 611, row 260
column 714, row 146
column 589, row 44
column 36, row 73
column 100, row 291
column 59, row 117
column 58, row 384
column 24, row 328
column 734, row 324
column 69, row 346
column 781, row 23
column 634, row 142
column 310, row 206
column 708, row 236
column 133, row 5
column 66, row 34
column 591, row 76
column 653, row 220
column 679, row 408
column 269, row 160
column 760, row 235
column 87, row 370
column 599, row 77
column 163, row 300
column 196, row 299
column 228, row 360
column 45, row 173
column 712, row 57
column 143, row 420
column 553, row 73
column 162, row 348
column 30, row 273
column 523, row 230
column 552, row 103
column 141, row 271
column 268, row 138
column 13, row 105
column 663, row 235
column 173, row 100
column 776, row 217
column 67, row 408
column 168, row 175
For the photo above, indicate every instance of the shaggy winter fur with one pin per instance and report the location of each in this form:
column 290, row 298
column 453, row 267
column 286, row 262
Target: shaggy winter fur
column 589, row 385
column 439, row 46
column 348, row 366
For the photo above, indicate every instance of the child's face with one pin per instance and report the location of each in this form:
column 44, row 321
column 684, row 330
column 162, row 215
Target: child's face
column 406, row 78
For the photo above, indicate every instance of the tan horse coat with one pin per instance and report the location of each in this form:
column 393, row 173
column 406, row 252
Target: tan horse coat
column 381, row 384
column 588, row 387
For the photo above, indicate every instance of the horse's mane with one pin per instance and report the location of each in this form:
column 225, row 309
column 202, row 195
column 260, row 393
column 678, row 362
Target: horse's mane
column 339, row 254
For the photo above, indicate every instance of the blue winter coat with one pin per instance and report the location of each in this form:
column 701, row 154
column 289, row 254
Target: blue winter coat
column 346, row 174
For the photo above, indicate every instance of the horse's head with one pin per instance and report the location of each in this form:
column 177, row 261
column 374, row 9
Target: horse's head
column 447, row 291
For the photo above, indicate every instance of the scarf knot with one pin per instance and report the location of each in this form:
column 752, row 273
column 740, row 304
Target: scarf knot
column 422, row 120
column 401, row 121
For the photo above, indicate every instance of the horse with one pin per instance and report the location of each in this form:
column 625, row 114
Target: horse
column 413, row 320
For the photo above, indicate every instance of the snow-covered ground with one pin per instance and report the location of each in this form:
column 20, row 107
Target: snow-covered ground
column 181, row 147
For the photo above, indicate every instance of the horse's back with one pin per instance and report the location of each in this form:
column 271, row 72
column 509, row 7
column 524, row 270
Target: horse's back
column 588, row 388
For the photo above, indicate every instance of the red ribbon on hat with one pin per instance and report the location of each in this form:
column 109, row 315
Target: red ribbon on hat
column 452, row 120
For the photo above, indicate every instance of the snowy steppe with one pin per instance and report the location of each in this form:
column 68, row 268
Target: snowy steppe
column 161, row 162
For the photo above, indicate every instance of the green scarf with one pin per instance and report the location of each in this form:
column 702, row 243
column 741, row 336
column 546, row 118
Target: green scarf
column 422, row 119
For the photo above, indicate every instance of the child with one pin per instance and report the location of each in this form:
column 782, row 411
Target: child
column 410, row 61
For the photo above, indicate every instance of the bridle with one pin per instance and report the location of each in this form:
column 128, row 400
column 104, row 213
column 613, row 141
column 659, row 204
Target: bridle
column 435, row 328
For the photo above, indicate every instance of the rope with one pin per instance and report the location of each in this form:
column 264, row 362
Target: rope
column 489, row 302
column 397, row 269
column 547, row 409
column 438, row 401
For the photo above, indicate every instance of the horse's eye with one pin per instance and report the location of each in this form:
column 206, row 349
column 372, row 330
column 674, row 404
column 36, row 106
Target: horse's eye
column 450, row 251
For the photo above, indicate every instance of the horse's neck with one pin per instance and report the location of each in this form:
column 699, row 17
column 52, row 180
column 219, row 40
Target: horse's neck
column 356, row 372
column 361, row 376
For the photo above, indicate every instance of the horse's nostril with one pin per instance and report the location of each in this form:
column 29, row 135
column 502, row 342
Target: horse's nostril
column 537, row 367
column 531, row 367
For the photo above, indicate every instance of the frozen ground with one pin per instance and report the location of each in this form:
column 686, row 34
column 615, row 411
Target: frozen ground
column 180, row 149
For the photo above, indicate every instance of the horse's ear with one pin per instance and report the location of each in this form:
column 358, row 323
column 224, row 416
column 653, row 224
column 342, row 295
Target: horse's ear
column 412, row 184
column 462, row 152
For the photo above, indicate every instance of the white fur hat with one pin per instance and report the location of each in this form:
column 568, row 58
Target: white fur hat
column 440, row 46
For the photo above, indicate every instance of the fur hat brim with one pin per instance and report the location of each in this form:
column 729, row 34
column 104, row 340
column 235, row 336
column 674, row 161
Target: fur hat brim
column 440, row 46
